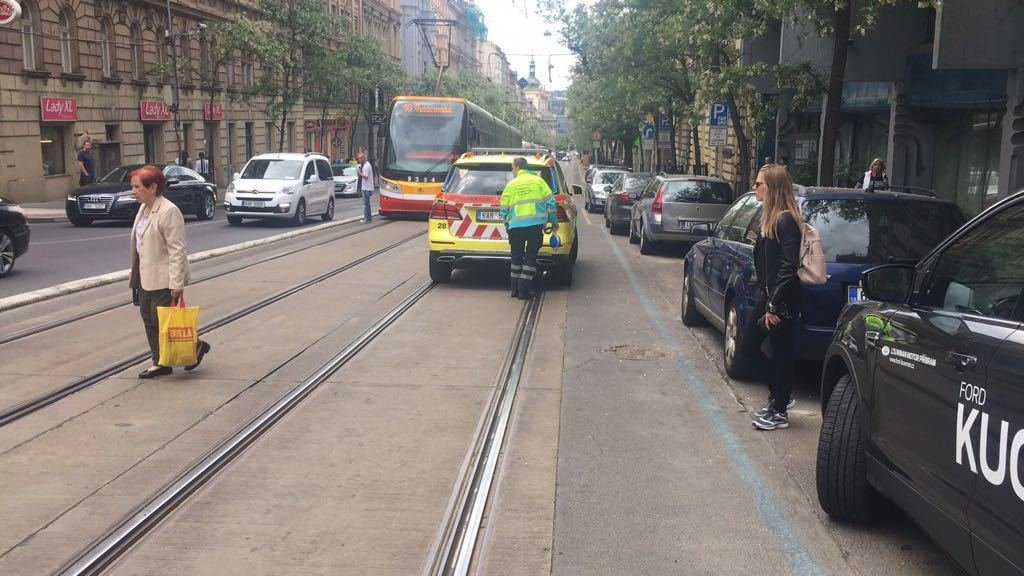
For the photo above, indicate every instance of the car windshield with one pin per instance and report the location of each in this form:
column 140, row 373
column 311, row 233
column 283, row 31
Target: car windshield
column 634, row 182
column 337, row 170
column 880, row 232
column 121, row 174
column 485, row 180
column 698, row 192
column 425, row 137
column 272, row 169
column 609, row 177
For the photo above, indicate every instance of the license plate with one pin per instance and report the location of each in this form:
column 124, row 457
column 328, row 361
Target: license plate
column 488, row 215
column 94, row 206
column 854, row 294
column 252, row 204
column 684, row 225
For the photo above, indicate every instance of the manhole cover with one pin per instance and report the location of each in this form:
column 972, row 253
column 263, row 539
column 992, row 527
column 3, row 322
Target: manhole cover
column 633, row 352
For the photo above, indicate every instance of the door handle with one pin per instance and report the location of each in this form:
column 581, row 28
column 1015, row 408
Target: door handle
column 871, row 338
column 962, row 360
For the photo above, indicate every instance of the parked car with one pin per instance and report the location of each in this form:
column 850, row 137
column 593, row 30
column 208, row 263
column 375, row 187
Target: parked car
column 669, row 207
column 620, row 202
column 111, row 198
column 345, row 177
column 858, row 229
column 596, row 193
column 282, row 186
column 588, row 175
column 922, row 399
column 14, row 235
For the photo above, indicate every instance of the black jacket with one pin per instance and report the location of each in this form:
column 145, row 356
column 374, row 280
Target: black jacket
column 776, row 261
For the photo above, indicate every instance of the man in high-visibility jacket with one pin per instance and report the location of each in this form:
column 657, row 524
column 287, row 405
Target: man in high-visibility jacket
column 526, row 207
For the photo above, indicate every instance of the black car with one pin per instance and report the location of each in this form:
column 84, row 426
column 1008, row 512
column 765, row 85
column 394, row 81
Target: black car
column 111, row 197
column 14, row 235
column 923, row 393
column 619, row 208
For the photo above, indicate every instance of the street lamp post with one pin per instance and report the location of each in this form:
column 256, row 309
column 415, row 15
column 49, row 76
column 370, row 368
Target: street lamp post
column 175, row 96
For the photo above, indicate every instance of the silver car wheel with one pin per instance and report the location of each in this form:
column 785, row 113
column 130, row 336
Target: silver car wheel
column 732, row 329
column 6, row 253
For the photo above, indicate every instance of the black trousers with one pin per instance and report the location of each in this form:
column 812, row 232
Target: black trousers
column 148, row 301
column 783, row 369
column 525, row 245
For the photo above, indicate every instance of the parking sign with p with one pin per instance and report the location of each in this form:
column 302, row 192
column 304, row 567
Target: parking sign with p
column 719, row 115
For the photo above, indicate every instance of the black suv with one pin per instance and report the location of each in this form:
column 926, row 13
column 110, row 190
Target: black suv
column 923, row 392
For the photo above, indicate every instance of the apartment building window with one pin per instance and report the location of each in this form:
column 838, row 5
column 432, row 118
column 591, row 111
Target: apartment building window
column 136, row 41
column 247, row 71
column 204, row 62
column 52, row 140
column 161, row 54
column 68, row 41
column 250, row 133
column 107, row 48
column 30, row 48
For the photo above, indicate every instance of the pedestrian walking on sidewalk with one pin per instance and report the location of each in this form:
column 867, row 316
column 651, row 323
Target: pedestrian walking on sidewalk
column 776, row 260
column 86, row 165
column 875, row 178
column 365, row 185
column 203, row 166
column 160, row 268
column 526, row 206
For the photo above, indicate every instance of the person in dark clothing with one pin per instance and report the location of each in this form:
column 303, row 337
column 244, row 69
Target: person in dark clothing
column 86, row 164
column 776, row 260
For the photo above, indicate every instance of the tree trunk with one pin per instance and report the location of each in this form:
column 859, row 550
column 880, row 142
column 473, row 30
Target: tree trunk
column 281, row 129
column 834, row 99
column 627, row 151
column 742, row 142
column 695, row 138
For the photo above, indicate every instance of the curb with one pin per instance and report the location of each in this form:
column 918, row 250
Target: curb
column 45, row 219
column 19, row 300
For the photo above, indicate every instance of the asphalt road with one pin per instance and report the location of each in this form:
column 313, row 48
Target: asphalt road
column 60, row 252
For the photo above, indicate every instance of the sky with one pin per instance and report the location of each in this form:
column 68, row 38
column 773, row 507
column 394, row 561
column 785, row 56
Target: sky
column 518, row 28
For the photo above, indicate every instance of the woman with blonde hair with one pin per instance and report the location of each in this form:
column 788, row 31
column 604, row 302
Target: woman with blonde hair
column 776, row 260
column 875, row 178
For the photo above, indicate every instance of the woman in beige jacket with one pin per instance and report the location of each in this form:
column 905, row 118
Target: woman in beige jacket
column 159, row 263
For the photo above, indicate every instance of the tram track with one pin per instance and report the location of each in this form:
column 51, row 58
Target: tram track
column 111, row 545
column 19, row 411
column 455, row 549
column 34, row 330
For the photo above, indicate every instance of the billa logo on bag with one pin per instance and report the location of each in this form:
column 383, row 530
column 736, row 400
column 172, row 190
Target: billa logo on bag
column 181, row 334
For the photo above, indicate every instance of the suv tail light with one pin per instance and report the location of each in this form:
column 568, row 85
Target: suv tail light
column 624, row 196
column 656, row 206
column 562, row 215
column 444, row 211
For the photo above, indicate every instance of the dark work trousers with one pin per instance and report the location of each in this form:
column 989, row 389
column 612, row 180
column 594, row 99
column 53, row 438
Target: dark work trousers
column 781, row 338
column 148, row 301
column 525, row 243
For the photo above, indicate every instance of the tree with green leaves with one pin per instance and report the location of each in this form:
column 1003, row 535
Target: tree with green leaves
column 286, row 37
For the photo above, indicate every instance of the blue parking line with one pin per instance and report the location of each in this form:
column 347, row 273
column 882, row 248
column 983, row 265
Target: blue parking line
column 772, row 516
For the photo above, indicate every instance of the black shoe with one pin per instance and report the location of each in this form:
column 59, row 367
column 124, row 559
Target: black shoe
column 772, row 421
column 515, row 293
column 769, row 407
column 204, row 347
column 161, row 371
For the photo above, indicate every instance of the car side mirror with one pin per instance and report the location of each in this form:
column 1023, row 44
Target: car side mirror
column 577, row 189
column 173, row 181
column 312, row 179
column 702, row 229
column 607, row 188
column 888, row 283
column 236, row 176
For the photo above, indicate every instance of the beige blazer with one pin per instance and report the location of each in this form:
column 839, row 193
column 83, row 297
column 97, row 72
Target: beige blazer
column 160, row 261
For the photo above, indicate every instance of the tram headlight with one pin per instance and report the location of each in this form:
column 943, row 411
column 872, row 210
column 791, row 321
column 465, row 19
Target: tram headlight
column 388, row 186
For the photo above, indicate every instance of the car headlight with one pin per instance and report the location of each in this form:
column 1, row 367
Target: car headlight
column 387, row 186
column 290, row 189
column 72, row 198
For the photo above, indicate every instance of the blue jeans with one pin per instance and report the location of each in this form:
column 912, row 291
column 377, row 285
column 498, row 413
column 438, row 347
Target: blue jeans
column 366, row 205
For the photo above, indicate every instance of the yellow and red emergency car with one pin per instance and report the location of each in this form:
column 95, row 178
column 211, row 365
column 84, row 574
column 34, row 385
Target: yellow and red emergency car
column 465, row 225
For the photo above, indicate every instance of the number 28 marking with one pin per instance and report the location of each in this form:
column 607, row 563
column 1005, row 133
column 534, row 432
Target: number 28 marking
column 442, row 225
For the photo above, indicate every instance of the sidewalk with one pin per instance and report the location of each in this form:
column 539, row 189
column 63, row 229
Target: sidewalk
column 52, row 211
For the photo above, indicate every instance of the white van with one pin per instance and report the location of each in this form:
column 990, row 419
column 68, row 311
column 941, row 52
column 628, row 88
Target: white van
column 283, row 185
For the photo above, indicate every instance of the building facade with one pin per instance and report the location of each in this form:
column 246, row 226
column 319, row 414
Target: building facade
column 101, row 70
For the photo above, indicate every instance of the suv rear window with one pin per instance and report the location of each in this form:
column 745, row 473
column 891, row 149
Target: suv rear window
column 272, row 169
column 486, row 180
column 698, row 192
column 858, row 231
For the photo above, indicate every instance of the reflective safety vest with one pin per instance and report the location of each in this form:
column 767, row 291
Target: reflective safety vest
column 527, row 201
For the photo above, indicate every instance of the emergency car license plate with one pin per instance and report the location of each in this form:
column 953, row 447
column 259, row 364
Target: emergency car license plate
column 684, row 225
column 488, row 216
column 252, row 204
column 854, row 294
column 94, row 206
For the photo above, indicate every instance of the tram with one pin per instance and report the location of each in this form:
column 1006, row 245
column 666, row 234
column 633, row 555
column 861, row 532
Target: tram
column 424, row 136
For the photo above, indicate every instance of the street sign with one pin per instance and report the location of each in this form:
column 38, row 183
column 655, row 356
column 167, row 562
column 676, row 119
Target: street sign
column 717, row 136
column 377, row 117
column 10, row 11
column 665, row 124
column 719, row 115
column 648, row 131
column 649, row 118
